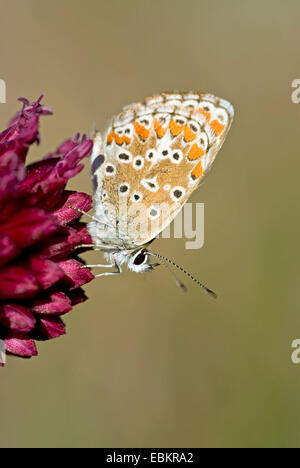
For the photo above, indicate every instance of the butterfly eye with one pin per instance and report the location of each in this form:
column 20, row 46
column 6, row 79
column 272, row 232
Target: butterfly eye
column 141, row 258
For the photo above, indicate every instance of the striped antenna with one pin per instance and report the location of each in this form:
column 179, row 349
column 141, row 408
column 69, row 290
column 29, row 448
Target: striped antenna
column 165, row 259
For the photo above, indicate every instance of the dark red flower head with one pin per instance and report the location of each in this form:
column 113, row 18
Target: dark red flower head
column 40, row 275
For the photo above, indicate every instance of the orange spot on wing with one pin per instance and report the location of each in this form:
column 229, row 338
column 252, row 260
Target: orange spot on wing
column 195, row 152
column 141, row 131
column 189, row 135
column 206, row 114
column 110, row 137
column 118, row 139
column 217, row 127
column 122, row 139
column 159, row 129
column 197, row 171
column 175, row 128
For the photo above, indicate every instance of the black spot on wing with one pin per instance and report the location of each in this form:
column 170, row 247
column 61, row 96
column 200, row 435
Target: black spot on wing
column 124, row 157
column 98, row 161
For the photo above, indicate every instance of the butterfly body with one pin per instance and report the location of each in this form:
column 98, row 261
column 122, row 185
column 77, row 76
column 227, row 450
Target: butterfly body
column 145, row 167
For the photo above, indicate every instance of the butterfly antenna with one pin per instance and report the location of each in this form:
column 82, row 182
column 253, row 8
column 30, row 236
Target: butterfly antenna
column 165, row 259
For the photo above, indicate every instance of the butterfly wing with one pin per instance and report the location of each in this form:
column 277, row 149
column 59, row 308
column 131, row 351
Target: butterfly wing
column 153, row 156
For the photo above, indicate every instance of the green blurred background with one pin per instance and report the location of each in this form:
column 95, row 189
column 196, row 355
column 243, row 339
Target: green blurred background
column 142, row 364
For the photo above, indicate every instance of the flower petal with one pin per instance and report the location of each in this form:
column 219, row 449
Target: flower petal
column 49, row 328
column 8, row 249
column 24, row 127
column 75, row 275
column 12, row 172
column 17, row 318
column 46, row 272
column 55, row 304
column 79, row 200
column 68, row 165
column 21, row 347
column 36, row 172
column 29, row 226
column 63, row 243
column 16, row 282
column 64, row 167
column 77, row 296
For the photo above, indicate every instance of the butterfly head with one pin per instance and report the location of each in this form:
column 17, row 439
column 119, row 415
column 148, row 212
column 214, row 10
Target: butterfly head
column 139, row 261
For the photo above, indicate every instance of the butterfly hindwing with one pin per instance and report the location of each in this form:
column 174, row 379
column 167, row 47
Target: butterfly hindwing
column 153, row 156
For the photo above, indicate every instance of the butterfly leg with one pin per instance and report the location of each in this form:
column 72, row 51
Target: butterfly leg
column 85, row 246
column 108, row 274
column 112, row 265
column 119, row 270
column 88, row 215
column 97, row 266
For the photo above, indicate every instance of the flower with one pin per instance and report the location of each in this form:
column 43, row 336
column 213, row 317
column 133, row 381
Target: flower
column 40, row 234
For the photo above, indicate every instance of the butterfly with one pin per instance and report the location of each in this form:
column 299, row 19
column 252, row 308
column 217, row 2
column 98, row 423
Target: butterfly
column 144, row 168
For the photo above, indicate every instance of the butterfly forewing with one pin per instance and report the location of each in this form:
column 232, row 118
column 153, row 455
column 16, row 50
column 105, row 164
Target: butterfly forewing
column 153, row 156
